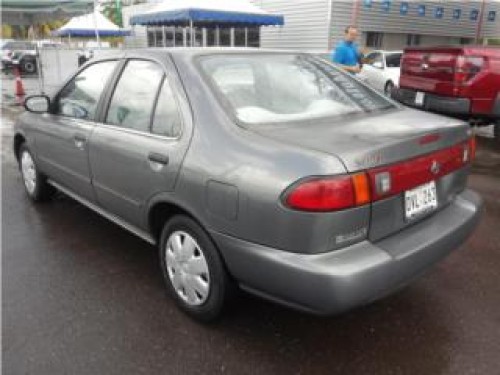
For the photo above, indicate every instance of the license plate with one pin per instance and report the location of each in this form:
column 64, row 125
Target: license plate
column 419, row 98
column 420, row 200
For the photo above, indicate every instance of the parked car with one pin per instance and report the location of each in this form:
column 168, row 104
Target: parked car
column 461, row 81
column 26, row 63
column 20, row 54
column 273, row 171
column 381, row 70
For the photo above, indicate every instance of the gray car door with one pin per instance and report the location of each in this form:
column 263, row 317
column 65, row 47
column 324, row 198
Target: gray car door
column 138, row 149
column 61, row 137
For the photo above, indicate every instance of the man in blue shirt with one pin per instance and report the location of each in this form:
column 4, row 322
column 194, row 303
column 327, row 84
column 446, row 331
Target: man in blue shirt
column 347, row 54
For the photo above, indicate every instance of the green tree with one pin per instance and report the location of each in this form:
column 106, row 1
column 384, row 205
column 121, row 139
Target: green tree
column 113, row 11
column 6, row 31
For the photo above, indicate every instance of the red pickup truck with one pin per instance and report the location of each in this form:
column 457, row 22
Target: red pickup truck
column 461, row 81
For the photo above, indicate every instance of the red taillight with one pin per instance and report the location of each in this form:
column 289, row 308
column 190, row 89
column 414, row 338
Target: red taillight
column 467, row 67
column 329, row 193
column 411, row 173
column 472, row 148
column 322, row 194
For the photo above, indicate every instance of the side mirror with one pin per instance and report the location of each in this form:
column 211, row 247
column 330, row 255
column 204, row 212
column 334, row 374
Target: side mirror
column 378, row 65
column 37, row 103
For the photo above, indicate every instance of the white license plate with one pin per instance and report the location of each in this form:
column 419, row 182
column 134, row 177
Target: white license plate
column 420, row 200
column 419, row 98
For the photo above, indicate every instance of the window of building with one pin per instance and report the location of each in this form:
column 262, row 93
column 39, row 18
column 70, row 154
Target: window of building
column 179, row 37
column 239, row 37
column 412, row 40
column 374, row 39
column 225, row 36
column 134, row 96
column 254, row 36
column 80, row 97
column 211, row 37
column 198, row 37
column 167, row 120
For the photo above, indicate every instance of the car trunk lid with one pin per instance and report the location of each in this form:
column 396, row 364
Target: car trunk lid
column 404, row 144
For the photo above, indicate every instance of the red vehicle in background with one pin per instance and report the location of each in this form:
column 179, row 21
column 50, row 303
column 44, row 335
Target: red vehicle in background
column 461, row 81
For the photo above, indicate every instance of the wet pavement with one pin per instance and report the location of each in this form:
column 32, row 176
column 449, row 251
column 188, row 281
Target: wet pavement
column 82, row 296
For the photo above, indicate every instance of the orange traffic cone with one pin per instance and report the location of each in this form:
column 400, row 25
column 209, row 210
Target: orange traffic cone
column 20, row 93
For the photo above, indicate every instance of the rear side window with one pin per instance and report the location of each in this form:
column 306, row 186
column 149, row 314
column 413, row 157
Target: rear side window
column 393, row 60
column 167, row 120
column 80, row 97
column 135, row 94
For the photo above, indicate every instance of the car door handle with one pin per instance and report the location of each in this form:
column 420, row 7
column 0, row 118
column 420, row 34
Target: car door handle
column 80, row 141
column 158, row 158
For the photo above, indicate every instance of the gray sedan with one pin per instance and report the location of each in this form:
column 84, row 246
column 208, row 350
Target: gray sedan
column 274, row 172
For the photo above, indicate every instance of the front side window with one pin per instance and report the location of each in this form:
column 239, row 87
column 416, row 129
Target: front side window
column 79, row 98
column 376, row 60
column 167, row 120
column 278, row 88
column 135, row 94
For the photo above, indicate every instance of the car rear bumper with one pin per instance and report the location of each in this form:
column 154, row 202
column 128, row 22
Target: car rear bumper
column 336, row 281
column 435, row 103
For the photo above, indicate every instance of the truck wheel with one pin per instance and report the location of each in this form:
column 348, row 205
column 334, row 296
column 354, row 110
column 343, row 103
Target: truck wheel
column 35, row 183
column 193, row 270
column 29, row 66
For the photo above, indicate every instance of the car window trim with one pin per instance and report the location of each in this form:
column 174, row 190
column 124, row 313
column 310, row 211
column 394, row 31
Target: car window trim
column 111, row 90
column 115, row 85
column 177, row 105
column 54, row 104
column 155, row 103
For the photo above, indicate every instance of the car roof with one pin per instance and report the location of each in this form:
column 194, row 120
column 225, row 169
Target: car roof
column 385, row 52
column 193, row 51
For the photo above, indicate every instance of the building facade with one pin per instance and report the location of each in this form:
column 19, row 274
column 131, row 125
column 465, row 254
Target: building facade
column 159, row 36
column 385, row 24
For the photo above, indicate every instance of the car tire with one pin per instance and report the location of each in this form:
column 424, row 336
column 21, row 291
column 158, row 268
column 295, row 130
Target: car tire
column 28, row 66
column 389, row 86
column 193, row 270
column 35, row 183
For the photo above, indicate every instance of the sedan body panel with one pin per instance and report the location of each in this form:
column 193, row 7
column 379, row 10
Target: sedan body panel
column 125, row 174
column 337, row 281
column 62, row 151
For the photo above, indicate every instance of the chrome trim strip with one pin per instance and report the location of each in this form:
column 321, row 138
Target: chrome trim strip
column 115, row 219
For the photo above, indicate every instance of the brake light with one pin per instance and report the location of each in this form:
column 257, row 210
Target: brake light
column 466, row 67
column 472, row 148
column 323, row 194
column 329, row 193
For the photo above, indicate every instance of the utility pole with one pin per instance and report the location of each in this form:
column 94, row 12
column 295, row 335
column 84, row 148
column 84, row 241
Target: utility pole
column 479, row 29
column 96, row 27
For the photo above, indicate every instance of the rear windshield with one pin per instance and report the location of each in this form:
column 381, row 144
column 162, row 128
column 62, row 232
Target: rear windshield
column 393, row 60
column 277, row 88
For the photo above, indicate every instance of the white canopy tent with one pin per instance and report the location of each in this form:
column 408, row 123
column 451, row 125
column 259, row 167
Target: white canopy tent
column 90, row 25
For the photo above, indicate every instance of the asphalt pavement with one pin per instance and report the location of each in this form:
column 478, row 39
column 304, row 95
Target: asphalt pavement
column 82, row 296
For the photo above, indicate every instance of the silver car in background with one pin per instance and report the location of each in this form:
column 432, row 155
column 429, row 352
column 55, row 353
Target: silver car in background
column 272, row 171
